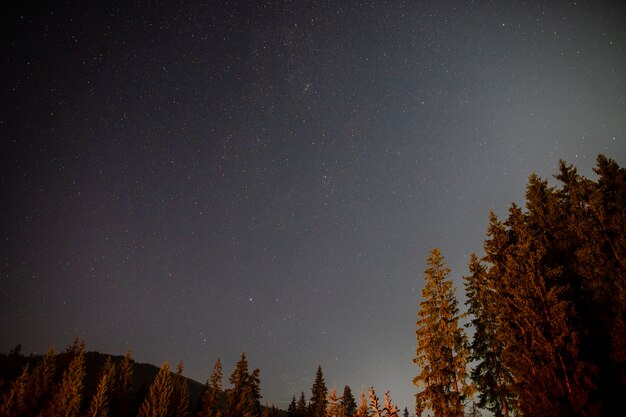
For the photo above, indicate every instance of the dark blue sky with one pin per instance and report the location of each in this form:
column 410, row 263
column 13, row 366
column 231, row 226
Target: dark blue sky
column 196, row 181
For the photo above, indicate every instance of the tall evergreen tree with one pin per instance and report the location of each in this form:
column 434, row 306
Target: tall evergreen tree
column 209, row 404
column 14, row 402
column 442, row 353
column 302, row 408
column 348, row 403
column 317, row 406
column 333, row 407
column 67, row 395
column 244, row 396
column 291, row 410
column 179, row 401
column 491, row 378
column 40, row 382
column 156, row 404
column 99, row 404
column 363, row 409
column 122, row 387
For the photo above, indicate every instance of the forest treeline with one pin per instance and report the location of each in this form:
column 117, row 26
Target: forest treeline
column 546, row 308
column 543, row 334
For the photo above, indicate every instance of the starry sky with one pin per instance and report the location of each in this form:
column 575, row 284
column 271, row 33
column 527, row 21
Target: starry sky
column 194, row 181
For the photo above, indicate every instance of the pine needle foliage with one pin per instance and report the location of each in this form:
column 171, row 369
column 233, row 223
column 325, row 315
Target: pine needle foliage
column 157, row 402
column 209, row 405
column 442, row 351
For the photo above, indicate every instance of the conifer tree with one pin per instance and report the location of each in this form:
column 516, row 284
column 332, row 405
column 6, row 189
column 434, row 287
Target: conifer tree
column 363, row 409
column 348, row 403
column 491, row 378
column 122, row 386
column 210, row 399
column 244, row 396
column 317, row 406
column 333, row 407
column 291, row 410
column 405, row 413
column 66, row 396
column 14, row 402
column 388, row 410
column 179, row 401
column 157, row 402
column 302, row 409
column 99, row 404
column 442, row 351
column 40, row 382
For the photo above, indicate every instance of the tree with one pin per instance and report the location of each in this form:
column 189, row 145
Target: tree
column 66, row 396
column 157, row 402
column 209, row 405
column 179, row 401
column 40, row 382
column 122, row 386
column 291, row 410
column 491, row 378
column 348, row 403
column 14, row 402
column 388, row 410
column 244, row 396
column 442, row 352
column 317, row 406
column 333, row 407
column 363, row 409
column 302, row 409
column 99, row 405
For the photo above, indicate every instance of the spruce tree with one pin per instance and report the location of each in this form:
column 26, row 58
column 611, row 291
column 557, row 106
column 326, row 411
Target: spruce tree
column 363, row 409
column 209, row 404
column 179, row 401
column 333, row 407
column 302, row 408
column 348, row 403
column 122, row 386
column 14, row 402
column 291, row 410
column 318, row 403
column 40, row 382
column 156, row 404
column 442, row 352
column 67, row 394
column 99, row 404
column 244, row 396
column 491, row 378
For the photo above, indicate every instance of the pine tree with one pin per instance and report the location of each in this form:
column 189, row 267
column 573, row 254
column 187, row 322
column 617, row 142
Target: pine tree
column 244, row 396
column 302, row 408
column 388, row 410
column 179, row 401
column 363, row 409
column 291, row 410
column 491, row 378
column 317, row 406
column 348, row 403
column 333, row 407
column 99, row 405
column 66, row 396
column 210, row 399
column 442, row 351
column 405, row 413
column 40, row 382
column 122, row 386
column 14, row 402
column 157, row 402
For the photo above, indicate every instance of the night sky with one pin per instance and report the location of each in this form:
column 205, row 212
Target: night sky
column 268, row 176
